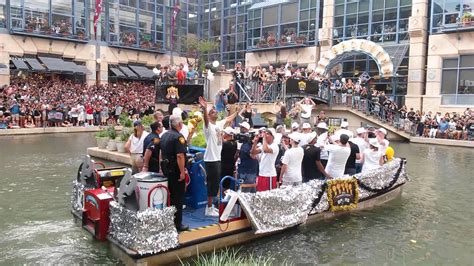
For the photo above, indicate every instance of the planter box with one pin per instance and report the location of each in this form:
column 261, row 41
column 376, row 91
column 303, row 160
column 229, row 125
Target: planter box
column 102, row 142
column 120, row 146
column 111, row 145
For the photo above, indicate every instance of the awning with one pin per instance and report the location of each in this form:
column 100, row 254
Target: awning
column 20, row 64
column 127, row 71
column 117, row 72
column 142, row 71
column 34, row 64
column 54, row 64
column 77, row 69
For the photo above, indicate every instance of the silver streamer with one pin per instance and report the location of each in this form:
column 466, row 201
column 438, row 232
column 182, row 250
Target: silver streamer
column 147, row 232
column 285, row 207
column 77, row 196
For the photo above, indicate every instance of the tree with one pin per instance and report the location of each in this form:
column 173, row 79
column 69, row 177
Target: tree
column 196, row 50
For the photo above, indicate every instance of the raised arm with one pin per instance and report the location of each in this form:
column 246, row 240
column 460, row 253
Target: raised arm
column 203, row 104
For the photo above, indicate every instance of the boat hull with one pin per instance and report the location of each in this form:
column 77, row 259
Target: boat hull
column 217, row 236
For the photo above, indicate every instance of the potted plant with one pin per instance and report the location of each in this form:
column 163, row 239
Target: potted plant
column 122, row 139
column 112, row 133
column 102, row 138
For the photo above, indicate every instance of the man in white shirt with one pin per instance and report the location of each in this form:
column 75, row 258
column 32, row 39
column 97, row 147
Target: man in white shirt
column 344, row 130
column 305, row 131
column 306, row 105
column 322, row 130
column 291, row 170
column 212, row 157
column 361, row 141
column 381, row 133
column 267, row 175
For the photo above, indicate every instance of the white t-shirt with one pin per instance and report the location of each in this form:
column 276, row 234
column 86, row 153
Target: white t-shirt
column 307, row 108
column 184, row 131
column 361, row 143
column 266, row 166
column 371, row 159
column 321, row 141
column 383, row 146
column 293, row 159
column 303, row 139
column 337, row 159
column 136, row 144
column 213, row 134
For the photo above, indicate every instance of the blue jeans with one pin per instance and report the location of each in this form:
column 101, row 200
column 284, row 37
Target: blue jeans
column 248, row 179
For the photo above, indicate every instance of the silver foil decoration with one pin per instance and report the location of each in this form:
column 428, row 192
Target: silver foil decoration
column 77, row 197
column 285, row 207
column 147, row 232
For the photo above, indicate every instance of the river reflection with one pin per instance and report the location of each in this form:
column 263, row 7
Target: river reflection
column 435, row 210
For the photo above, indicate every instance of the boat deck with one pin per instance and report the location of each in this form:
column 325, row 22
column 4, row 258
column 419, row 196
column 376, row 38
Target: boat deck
column 195, row 218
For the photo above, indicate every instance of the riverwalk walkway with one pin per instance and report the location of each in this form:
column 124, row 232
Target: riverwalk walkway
column 50, row 130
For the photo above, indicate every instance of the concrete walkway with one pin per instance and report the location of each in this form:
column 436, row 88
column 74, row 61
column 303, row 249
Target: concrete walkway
column 50, row 130
column 113, row 156
column 444, row 142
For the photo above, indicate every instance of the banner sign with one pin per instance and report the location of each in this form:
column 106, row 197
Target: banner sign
column 188, row 94
column 342, row 194
column 55, row 117
column 302, row 86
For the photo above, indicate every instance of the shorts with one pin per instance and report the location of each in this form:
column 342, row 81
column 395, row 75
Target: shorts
column 248, row 179
column 265, row 183
column 89, row 117
column 213, row 177
column 15, row 116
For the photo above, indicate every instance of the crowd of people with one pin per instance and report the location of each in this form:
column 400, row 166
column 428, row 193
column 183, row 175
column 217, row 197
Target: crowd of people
column 37, row 101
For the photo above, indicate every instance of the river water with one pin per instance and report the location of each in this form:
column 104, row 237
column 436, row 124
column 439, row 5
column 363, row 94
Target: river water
column 432, row 223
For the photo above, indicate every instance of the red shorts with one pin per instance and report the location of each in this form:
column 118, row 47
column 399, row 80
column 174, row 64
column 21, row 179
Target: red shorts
column 266, row 183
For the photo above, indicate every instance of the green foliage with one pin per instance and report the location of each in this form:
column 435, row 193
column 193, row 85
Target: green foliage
column 125, row 121
column 125, row 134
column 111, row 132
column 103, row 133
column 232, row 257
column 199, row 140
column 196, row 49
column 147, row 121
column 287, row 122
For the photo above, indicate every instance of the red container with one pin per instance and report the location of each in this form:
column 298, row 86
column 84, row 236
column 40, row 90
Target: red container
column 95, row 217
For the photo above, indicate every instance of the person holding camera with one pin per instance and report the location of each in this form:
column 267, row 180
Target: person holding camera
column 248, row 164
column 267, row 176
column 228, row 155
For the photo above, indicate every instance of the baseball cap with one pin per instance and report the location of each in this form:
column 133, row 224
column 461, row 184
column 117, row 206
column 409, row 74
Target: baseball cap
column 137, row 123
column 360, row 130
column 383, row 130
column 229, row 131
column 322, row 125
column 306, row 126
column 245, row 125
column 295, row 136
column 271, row 131
column 374, row 142
column 344, row 124
column 311, row 136
column 177, row 111
column 295, row 125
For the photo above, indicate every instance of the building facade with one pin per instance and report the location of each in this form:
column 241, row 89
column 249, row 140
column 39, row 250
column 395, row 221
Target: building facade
column 428, row 40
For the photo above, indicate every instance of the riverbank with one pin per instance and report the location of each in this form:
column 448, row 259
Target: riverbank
column 113, row 156
column 443, row 142
column 50, row 130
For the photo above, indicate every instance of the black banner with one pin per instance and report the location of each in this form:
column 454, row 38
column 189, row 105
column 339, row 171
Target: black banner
column 188, row 94
column 302, row 86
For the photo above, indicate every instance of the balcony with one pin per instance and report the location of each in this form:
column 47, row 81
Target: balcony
column 60, row 31
column 129, row 41
column 272, row 43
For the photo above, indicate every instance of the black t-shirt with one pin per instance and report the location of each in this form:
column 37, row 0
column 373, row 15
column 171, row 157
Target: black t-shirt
column 411, row 115
column 229, row 149
column 311, row 155
column 154, row 147
column 352, row 157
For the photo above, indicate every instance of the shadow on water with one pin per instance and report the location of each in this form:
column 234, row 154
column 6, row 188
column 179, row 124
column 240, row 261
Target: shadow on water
column 435, row 210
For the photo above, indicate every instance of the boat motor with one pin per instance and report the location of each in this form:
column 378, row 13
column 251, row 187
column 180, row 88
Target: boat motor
column 91, row 177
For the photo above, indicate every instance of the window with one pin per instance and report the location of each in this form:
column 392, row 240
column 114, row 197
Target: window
column 3, row 21
column 448, row 14
column 457, row 83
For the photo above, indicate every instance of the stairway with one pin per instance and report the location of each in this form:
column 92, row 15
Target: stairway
column 373, row 120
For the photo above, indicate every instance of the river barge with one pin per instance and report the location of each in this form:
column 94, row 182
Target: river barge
column 148, row 237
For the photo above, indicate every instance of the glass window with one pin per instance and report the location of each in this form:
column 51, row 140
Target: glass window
column 378, row 4
column 269, row 17
column 339, row 10
column 466, row 81
column 448, row 83
column 391, row 3
column 467, row 61
column 351, row 8
column 289, row 13
column 450, row 63
column 304, row 4
column 363, row 5
column 3, row 21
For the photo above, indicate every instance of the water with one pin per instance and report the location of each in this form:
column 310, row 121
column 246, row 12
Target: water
column 436, row 211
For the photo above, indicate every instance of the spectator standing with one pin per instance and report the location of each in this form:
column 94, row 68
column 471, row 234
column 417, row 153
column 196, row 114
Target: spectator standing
column 268, row 151
column 135, row 146
column 292, row 160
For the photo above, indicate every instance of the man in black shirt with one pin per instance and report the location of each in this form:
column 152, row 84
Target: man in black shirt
column 311, row 159
column 228, row 155
column 351, row 161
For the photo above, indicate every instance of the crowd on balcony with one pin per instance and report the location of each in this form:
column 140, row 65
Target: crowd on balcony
column 36, row 101
column 430, row 124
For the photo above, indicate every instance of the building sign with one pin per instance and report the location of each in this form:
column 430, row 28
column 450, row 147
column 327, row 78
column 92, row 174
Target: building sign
column 301, row 86
column 342, row 194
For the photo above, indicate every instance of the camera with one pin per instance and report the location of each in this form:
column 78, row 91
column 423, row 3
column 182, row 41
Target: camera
column 244, row 137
